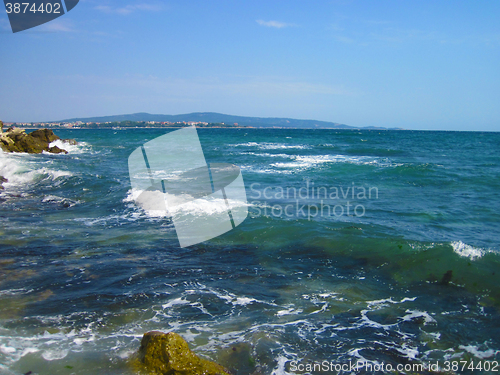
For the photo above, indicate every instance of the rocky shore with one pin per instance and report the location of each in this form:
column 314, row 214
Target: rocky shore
column 36, row 142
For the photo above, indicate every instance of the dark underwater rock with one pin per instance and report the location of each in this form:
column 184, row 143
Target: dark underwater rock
column 445, row 280
column 238, row 358
column 17, row 140
column 168, row 354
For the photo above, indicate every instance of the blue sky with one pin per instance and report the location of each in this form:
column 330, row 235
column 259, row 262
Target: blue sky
column 410, row 64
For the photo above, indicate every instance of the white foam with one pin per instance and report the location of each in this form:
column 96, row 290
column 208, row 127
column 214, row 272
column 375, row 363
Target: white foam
column 385, row 301
column 412, row 314
column 22, row 169
column 79, row 148
column 59, row 200
column 243, row 301
column 289, row 311
column 54, row 355
column 197, row 207
column 467, row 251
column 176, row 301
column 7, row 349
column 271, row 146
column 310, row 161
column 474, row 350
column 268, row 155
column 281, row 367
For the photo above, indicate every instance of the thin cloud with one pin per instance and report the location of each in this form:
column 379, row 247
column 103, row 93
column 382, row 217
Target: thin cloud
column 58, row 26
column 5, row 25
column 275, row 24
column 343, row 39
column 128, row 8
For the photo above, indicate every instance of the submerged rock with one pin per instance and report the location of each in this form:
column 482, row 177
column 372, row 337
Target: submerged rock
column 2, row 180
column 17, row 140
column 238, row 358
column 168, row 354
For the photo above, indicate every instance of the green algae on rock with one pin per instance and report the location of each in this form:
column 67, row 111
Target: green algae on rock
column 169, row 354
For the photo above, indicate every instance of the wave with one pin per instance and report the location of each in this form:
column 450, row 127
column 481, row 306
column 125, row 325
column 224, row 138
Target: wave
column 79, row 148
column 23, row 169
column 65, row 202
column 268, row 155
column 467, row 251
column 198, row 207
column 304, row 162
column 271, row 146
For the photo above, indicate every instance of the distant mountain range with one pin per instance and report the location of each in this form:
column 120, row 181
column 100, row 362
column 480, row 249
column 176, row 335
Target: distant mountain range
column 211, row 117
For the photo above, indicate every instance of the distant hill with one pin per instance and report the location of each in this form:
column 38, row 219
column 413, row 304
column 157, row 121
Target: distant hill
column 211, row 117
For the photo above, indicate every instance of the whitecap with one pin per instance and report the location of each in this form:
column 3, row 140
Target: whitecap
column 474, row 350
column 289, row 311
column 66, row 202
column 412, row 314
column 79, row 148
column 22, row 169
column 467, row 251
column 271, row 146
column 7, row 349
column 196, row 207
column 53, row 355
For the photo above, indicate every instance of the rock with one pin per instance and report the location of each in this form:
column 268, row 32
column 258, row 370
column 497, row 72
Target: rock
column 56, row 150
column 168, row 354
column 45, row 135
column 70, row 141
column 445, row 280
column 16, row 140
column 2, row 180
column 238, row 358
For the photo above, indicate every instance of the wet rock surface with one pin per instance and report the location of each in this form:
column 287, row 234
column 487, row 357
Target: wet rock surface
column 169, row 354
column 36, row 142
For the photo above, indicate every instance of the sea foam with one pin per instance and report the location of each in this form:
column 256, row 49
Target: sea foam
column 467, row 251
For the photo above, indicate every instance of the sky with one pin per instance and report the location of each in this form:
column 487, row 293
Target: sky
column 430, row 65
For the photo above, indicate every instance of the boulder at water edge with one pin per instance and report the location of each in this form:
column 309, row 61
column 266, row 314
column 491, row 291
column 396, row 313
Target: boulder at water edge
column 16, row 140
column 168, row 354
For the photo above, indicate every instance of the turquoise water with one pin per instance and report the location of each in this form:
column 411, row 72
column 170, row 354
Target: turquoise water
column 409, row 275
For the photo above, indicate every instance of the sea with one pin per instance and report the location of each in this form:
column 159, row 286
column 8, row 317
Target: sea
column 363, row 252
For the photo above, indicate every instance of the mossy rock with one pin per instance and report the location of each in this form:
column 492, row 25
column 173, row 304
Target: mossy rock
column 45, row 135
column 16, row 140
column 169, row 354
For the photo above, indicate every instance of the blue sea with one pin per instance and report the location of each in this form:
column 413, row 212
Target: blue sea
column 380, row 248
